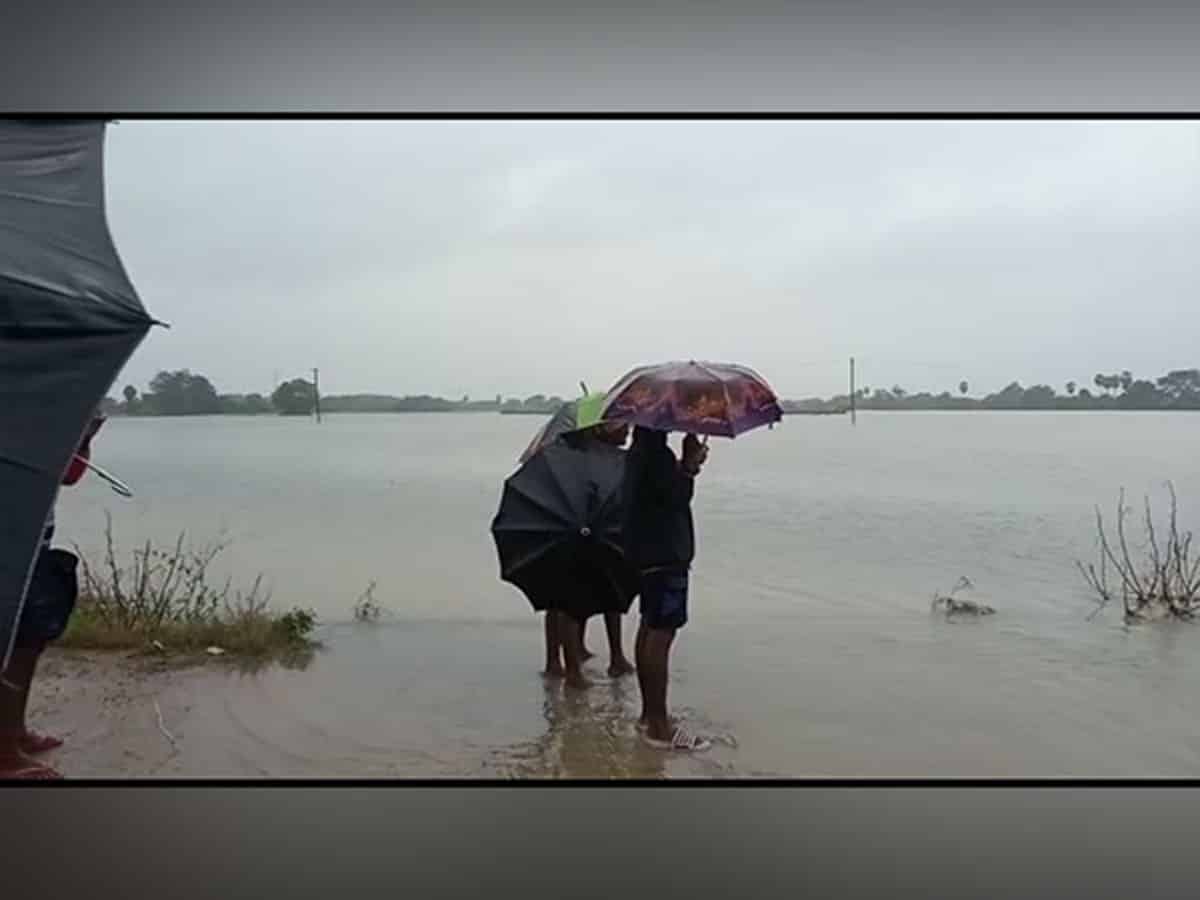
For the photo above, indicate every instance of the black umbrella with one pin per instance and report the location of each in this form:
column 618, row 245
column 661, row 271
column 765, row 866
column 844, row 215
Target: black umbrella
column 69, row 321
column 558, row 531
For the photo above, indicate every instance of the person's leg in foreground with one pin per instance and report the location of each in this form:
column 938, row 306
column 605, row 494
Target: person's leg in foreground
column 49, row 602
column 618, row 664
column 584, row 653
column 48, row 606
column 664, row 612
column 554, row 664
column 17, row 742
column 571, row 632
column 34, row 742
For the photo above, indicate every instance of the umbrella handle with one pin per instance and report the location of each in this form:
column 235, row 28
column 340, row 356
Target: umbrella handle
column 115, row 483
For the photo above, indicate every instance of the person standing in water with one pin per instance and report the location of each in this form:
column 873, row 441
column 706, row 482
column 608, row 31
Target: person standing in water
column 567, row 630
column 49, row 603
column 659, row 536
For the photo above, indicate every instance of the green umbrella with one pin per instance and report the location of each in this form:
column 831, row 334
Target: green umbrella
column 574, row 415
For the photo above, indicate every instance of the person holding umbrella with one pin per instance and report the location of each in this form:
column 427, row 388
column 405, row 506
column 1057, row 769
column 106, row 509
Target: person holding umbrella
column 70, row 319
column 50, row 601
column 557, row 534
column 658, row 530
column 660, row 542
column 571, row 628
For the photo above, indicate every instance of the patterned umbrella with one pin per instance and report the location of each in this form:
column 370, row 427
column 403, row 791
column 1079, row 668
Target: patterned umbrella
column 720, row 399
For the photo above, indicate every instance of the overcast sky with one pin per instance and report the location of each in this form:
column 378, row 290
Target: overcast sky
column 520, row 257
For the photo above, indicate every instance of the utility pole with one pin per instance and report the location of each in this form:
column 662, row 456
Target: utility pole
column 317, row 394
column 853, row 399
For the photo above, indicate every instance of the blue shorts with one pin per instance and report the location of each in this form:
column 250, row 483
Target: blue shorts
column 50, row 601
column 664, row 601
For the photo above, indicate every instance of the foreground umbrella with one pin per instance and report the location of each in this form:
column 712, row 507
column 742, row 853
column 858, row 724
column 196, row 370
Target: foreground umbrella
column 574, row 415
column 720, row 399
column 557, row 531
column 69, row 321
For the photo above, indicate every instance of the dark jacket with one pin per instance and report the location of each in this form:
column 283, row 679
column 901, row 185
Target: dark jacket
column 658, row 528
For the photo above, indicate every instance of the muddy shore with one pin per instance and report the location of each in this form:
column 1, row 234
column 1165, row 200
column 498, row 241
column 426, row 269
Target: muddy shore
column 119, row 715
column 129, row 716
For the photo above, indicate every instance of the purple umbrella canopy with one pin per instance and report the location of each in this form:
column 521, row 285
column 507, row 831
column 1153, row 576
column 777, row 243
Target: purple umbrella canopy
column 719, row 399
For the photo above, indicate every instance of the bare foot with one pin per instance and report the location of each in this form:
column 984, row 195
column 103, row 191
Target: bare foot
column 20, row 767
column 620, row 667
column 33, row 743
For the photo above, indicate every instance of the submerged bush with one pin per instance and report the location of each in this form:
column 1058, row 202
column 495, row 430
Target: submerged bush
column 1165, row 583
column 366, row 609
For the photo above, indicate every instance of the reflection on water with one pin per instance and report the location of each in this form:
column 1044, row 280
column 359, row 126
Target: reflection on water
column 293, row 659
column 811, row 649
column 592, row 734
column 587, row 735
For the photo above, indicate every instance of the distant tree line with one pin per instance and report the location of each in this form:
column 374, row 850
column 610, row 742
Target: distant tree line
column 386, row 403
column 1177, row 390
column 185, row 393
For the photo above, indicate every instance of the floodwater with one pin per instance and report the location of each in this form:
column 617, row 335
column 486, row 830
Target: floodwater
column 811, row 651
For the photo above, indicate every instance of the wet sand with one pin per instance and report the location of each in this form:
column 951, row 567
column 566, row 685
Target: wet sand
column 107, row 707
column 128, row 716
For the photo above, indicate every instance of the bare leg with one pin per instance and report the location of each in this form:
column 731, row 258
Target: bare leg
column 655, row 667
column 584, row 653
column 29, row 667
column 14, row 689
column 571, row 631
column 554, row 666
column 31, row 741
column 618, row 665
column 14, row 698
column 639, row 656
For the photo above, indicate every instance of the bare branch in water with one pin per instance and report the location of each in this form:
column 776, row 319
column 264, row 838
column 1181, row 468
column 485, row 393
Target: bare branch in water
column 1169, row 580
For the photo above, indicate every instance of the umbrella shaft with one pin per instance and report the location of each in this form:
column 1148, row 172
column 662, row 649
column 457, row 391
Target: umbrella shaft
column 117, row 484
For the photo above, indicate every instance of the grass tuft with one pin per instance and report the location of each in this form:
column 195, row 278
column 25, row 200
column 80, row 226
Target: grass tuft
column 163, row 600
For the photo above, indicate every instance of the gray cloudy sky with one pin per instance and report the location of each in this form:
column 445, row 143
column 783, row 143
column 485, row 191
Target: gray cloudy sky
column 520, row 257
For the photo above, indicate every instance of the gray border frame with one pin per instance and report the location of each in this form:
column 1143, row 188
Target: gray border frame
column 822, row 841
